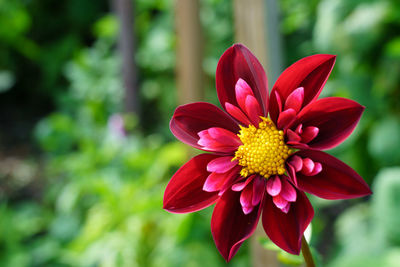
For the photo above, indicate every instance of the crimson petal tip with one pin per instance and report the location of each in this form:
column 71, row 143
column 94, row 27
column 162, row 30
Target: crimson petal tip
column 184, row 192
column 237, row 62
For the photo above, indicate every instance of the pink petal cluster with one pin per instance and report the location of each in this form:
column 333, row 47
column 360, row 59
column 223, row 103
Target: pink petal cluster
column 309, row 125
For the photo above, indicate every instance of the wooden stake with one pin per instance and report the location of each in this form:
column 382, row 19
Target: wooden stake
column 126, row 45
column 189, row 51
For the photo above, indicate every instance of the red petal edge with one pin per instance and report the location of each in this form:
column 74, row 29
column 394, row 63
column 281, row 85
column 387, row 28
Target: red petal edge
column 188, row 120
column 335, row 118
column 310, row 73
column 238, row 62
column 286, row 229
column 184, row 192
column 336, row 180
column 230, row 227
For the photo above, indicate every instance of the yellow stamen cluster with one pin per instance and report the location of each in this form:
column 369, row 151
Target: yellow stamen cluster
column 263, row 151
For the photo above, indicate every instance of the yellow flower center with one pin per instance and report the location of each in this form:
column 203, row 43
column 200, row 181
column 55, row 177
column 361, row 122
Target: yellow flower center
column 263, row 151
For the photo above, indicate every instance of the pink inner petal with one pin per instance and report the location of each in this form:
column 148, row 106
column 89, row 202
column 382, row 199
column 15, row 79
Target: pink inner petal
column 286, row 208
column 206, row 140
column 292, row 173
column 317, row 169
column 212, row 145
column 218, row 139
column 292, row 136
column 246, row 198
column 203, row 134
column 296, row 162
column 279, row 201
column 299, row 129
column 295, row 99
column 239, row 186
column 253, row 110
column 274, row 185
column 309, row 134
column 224, row 136
column 214, row 182
column 221, row 164
column 247, row 210
column 237, row 113
column 308, row 166
column 288, row 192
column 242, row 90
column 285, row 118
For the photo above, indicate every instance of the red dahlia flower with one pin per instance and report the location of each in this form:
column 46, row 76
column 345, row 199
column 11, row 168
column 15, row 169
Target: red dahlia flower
column 259, row 164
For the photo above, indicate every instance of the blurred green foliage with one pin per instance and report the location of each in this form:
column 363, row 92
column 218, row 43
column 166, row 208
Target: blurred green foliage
column 368, row 233
column 102, row 172
column 91, row 193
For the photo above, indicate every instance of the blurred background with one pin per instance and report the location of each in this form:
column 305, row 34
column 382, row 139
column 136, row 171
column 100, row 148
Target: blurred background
column 87, row 89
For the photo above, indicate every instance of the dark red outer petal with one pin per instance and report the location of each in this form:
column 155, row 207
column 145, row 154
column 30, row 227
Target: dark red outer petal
column 230, row 227
column 286, row 229
column 274, row 185
column 192, row 118
column 335, row 117
column 238, row 62
column 310, row 72
column 184, row 192
column 336, row 180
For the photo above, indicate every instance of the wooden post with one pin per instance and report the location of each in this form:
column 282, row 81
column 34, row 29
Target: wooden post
column 189, row 51
column 274, row 61
column 256, row 26
column 126, row 46
column 249, row 26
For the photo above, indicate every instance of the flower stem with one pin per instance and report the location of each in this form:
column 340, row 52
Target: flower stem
column 305, row 249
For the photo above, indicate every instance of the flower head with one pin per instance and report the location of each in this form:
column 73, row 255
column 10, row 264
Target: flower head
column 264, row 151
